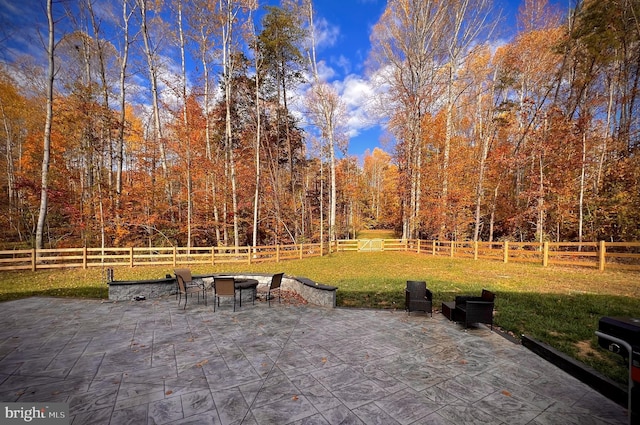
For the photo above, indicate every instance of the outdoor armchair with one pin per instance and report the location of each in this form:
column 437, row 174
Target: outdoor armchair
column 471, row 309
column 186, row 286
column 418, row 297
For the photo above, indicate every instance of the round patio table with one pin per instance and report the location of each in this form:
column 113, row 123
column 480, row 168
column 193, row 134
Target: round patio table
column 242, row 284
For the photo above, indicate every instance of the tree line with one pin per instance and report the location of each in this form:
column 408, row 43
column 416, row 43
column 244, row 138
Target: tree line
column 111, row 141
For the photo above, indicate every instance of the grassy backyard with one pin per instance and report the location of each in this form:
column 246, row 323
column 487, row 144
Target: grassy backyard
column 558, row 306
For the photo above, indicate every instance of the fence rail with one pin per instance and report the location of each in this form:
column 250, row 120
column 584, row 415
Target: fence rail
column 598, row 255
column 37, row 259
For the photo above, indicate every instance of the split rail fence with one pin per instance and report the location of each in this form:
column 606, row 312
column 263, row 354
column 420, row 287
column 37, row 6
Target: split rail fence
column 597, row 255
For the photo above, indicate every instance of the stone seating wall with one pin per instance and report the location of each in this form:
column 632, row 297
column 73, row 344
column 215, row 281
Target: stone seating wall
column 310, row 291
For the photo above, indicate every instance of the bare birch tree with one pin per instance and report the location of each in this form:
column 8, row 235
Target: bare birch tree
column 203, row 26
column 465, row 21
column 406, row 45
column 185, row 121
column 151, row 54
column 42, row 213
column 127, row 12
column 327, row 112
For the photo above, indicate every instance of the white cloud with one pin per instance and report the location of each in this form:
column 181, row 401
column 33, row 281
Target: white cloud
column 344, row 63
column 325, row 72
column 356, row 92
column 326, row 35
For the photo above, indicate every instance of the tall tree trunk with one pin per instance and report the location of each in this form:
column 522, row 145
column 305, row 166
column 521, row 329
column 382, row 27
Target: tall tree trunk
column 605, row 136
column 126, row 15
column 9, row 159
column 582, row 188
column 105, row 126
column 185, row 123
column 227, row 69
column 153, row 77
column 480, row 186
column 446, row 153
column 227, row 63
column 12, row 194
column 322, row 208
column 334, row 203
column 330, row 111
column 492, row 219
column 540, row 200
column 212, row 184
column 42, row 213
column 256, row 194
column 485, row 132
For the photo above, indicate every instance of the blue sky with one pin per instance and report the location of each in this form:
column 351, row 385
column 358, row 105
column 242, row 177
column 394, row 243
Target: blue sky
column 345, row 48
column 343, row 28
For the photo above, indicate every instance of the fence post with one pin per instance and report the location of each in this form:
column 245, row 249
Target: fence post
column 506, row 252
column 213, row 255
column 131, row 256
column 602, row 258
column 277, row 253
column 249, row 254
column 175, row 256
column 84, row 257
column 301, row 249
column 33, row 260
column 475, row 250
column 418, row 246
column 452, row 249
column 545, row 254
column 433, row 247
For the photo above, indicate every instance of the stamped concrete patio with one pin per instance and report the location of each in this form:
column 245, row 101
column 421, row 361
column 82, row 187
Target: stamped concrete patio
column 152, row 362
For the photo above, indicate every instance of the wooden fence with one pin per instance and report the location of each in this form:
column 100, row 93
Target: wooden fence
column 598, row 255
column 32, row 259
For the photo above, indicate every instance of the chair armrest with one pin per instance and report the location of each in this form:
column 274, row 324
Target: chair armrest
column 429, row 295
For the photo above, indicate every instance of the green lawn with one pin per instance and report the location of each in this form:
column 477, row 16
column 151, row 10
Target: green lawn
column 377, row 234
column 557, row 305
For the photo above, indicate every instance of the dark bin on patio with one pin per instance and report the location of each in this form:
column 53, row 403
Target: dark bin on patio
column 621, row 335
